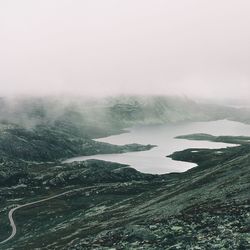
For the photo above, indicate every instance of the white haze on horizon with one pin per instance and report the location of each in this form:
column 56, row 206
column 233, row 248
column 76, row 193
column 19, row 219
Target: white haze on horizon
column 196, row 48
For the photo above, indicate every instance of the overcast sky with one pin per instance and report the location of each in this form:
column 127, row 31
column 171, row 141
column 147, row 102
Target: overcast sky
column 103, row 47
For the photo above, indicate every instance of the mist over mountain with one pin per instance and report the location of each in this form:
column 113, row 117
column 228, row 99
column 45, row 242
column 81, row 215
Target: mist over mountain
column 124, row 124
column 103, row 204
column 111, row 112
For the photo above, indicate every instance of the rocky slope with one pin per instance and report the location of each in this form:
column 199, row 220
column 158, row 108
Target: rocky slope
column 109, row 205
column 114, row 206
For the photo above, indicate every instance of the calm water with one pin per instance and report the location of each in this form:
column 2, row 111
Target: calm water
column 155, row 160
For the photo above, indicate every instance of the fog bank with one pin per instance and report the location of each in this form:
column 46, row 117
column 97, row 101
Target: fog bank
column 193, row 48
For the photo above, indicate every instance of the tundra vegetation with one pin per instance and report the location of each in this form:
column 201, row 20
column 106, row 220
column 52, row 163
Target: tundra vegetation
column 110, row 205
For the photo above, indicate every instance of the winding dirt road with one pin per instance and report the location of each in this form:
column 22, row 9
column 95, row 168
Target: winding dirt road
column 13, row 210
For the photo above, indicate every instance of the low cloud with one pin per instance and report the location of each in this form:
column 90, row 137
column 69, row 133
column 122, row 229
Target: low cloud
column 194, row 48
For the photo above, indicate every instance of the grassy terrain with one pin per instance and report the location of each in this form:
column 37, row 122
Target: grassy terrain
column 115, row 206
column 110, row 205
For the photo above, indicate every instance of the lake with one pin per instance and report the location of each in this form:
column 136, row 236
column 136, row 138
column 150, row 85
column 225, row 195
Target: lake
column 155, row 160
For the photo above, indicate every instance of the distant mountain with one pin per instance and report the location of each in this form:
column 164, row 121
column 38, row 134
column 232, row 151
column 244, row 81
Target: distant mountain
column 103, row 116
column 164, row 109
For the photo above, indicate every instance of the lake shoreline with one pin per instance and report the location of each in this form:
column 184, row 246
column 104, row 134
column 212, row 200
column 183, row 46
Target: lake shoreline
column 154, row 134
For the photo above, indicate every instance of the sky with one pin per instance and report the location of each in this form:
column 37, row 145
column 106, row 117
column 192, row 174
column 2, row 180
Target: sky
column 197, row 48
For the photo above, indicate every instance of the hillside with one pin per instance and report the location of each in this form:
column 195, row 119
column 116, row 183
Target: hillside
column 103, row 205
column 113, row 205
